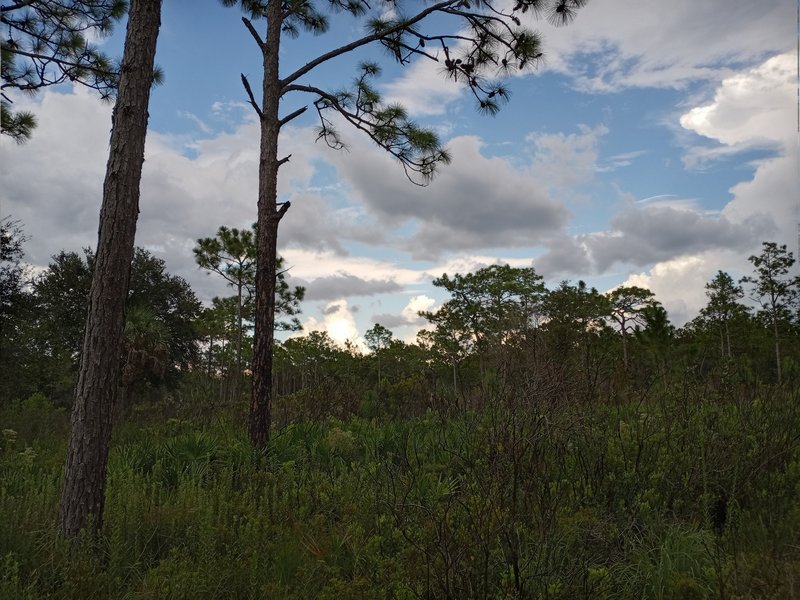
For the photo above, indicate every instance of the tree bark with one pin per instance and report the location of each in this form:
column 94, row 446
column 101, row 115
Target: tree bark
column 777, row 349
column 83, row 491
column 728, row 338
column 269, row 216
column 624, row 342
column 238, row 389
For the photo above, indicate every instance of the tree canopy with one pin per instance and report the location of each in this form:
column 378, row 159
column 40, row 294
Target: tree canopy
column 47, row 43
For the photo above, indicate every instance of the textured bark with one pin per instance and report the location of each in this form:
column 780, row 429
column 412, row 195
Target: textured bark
column 777, row 348
column 239, row 375
column 83, row 492
column 269, row 216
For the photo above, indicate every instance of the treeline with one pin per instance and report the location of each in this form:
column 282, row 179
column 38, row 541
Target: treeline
column 504, row 335
column 533, row 443
column 502, row 332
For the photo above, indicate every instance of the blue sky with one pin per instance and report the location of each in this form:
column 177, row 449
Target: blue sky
column 653, row 147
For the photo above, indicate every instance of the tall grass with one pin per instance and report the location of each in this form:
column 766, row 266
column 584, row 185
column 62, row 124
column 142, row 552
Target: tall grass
column 680, row 496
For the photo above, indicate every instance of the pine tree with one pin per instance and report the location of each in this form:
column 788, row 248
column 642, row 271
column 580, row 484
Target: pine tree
column 83, row 491
column 232, row 254
column 480, row 42
column 775, row 290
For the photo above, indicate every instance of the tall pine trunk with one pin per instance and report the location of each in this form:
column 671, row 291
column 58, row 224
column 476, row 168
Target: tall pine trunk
column 83, row 491
column 777, row 348
column 238, row 388
column 269, row 217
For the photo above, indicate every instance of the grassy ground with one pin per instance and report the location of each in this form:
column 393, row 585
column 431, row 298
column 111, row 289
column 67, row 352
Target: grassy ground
column 680, row 497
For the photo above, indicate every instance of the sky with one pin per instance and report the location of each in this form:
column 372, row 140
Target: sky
column 656, row 144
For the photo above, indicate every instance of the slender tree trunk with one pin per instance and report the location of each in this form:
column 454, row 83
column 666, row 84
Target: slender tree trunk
column 728, row 338
column 624, row 345
column 83, row 491
column 210, row 353
column 777, row 349
column 223, row 368
column 238, row 389
column 267, row 241
column 455, row 384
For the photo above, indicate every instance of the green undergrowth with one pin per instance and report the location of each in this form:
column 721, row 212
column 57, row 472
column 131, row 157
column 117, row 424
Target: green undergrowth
column 681, row 498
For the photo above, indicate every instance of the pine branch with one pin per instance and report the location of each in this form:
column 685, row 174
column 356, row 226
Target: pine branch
column 59, row 61
column 397, row 142
column 364, row 41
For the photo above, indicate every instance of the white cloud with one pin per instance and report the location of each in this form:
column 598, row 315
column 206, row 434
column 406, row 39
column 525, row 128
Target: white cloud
column 53, row 184
column 617, row 43
column 423, row 89
column 339, row 323
column 408, row 323
column 566, row 160
column 474, row 203
column 311, row 264
column 752, row 109
column 415, row 305
column 749, row 108
column 679, row 284
column 201, row 125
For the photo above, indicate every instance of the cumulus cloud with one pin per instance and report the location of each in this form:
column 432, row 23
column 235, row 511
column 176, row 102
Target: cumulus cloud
column 476, row 202
column 345, row 285
column 189, row 190
column 565, row 160
column 679, row 284
column 646, row 233
column 339, row 323
column 409, row 315
column 750, row 108
column 616, row 43
column 423, row 90
column 407, row 323
column 53, row 184
column 416, row 305
column 566, row 255
column 309, row 265
column 57, row 199
column 643, row 235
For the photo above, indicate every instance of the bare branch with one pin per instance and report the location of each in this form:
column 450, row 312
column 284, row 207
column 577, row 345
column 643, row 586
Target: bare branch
column 20, row 4
column 254, row 33
column 291, row 116
column 253, row 102
column 282, row 210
